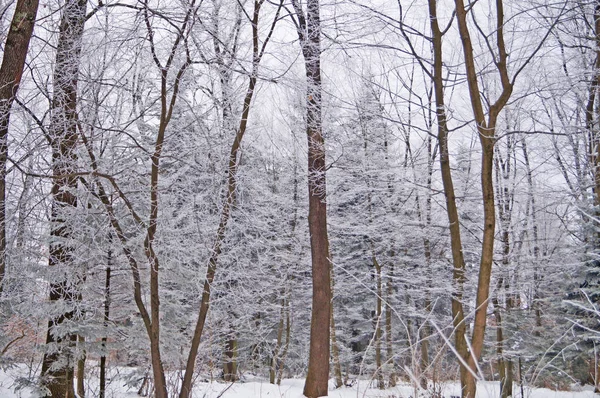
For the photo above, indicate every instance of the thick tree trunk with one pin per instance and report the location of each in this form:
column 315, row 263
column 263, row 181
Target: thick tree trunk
column 309, row 33
column 58, row 364
column 11, row 71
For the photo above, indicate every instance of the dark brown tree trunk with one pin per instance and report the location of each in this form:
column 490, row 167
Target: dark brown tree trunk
column 58, row 364
column 309, row 33
column 81, row 369
column 102, row 387
column 487, row 138
column 11, row 71
column 458, row 261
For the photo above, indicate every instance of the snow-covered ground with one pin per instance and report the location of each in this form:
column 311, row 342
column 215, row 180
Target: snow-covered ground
column 292, row 388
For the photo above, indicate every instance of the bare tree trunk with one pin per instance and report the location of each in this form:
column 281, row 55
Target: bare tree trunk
column 230, row 362
column 309, row 33
column 81, row 369
column 502, row 362
column 278, row 344
column 536, row 245
column 425, row 330
column 22, row 209
column 58, row 364
column 286, row 346
column 505, row 199
column 487, row 138
column 11, row 70
column 287, row 297
column 102, row 387
column 458, row 261
column 388, row 326
column 378, row 319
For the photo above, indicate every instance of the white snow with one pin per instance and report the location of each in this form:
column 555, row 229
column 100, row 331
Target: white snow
column 291, row 388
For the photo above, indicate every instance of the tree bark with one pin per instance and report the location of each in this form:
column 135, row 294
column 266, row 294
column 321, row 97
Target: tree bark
column 425, row 330
column 102, row 387
column 487, row 139
column 505, row 198
column 458, row 275
column 286, row 346
column 309, row 33
column 58, row 364
column 11, row 71
column 230, row 361
column 536, row 245
column 388, row 325
column 81, row 369
column 377, row 321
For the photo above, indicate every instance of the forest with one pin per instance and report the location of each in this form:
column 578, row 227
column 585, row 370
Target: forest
column 398, row 193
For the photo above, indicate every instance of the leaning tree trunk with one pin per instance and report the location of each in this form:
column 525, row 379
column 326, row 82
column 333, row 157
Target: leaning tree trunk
column 487, row 139
column 11, row 70
column 58, row 363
